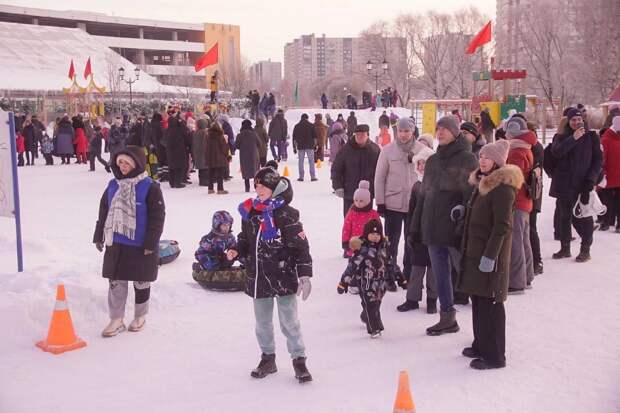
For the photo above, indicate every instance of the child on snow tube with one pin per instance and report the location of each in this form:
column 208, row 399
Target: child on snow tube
column 214, row 269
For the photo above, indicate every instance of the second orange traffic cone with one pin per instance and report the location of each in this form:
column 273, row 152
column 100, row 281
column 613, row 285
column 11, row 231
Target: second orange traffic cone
column 404, row 402
column 285, row 172
column 318, row 163
column 61, row 335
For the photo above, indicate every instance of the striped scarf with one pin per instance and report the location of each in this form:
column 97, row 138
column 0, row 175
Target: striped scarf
column 268, row 228
column 121, row 217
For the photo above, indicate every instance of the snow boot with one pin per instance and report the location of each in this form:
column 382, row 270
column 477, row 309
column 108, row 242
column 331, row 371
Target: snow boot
column 301, row 371
column 447, row 324
column 266, row 366
column 470, row 352
column 408, row 305
column 516, row 291
column 431, row 306
column 584, row 254
column 375, row 334
column 115, row 327
column 564, row 252
column 222, row 192
column 481, row 364
column 137, row 324
column 538, row 268
column 604, row 227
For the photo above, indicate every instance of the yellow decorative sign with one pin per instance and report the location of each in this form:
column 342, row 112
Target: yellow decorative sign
column 494, row 111
column 429, row 118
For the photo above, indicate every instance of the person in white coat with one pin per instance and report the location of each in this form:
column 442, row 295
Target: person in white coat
column 394, row 178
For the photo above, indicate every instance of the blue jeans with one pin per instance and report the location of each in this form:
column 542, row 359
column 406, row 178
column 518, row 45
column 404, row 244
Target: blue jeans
column 443, row 259
column 289, row 324
column 310, row 153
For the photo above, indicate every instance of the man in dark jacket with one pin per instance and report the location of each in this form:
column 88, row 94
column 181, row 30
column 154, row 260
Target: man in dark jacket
column 278, row 132
column 351, row 123
column 177, row 137
column 356, row 161
column 578, row 163
column 304, row 142
column 438, row 217
column 94, row 149
column 228, row 131
column 117, row 137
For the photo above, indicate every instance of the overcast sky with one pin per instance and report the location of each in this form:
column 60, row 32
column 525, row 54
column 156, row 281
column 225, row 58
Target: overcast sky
column 267, row 26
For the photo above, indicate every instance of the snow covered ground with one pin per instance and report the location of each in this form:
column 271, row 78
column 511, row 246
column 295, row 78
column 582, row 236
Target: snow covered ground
column 198, row 346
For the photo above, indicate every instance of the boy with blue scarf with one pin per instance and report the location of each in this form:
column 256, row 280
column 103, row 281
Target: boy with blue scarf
column 278, row 267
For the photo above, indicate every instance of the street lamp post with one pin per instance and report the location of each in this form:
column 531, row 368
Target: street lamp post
column 378, row 73
column 121, row 75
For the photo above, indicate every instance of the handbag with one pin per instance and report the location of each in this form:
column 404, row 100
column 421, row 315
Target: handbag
column 593, row 208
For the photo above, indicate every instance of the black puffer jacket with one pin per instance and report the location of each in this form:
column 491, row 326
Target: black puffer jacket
column 353, row 164
column 578, row 164
column 276, row 264
column 444, row 187
column 304, row 135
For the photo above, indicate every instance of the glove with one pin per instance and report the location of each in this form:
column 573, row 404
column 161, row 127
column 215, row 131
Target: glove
column 486, row 264
column 305, row 288
column 339, row 192
column 342, row 288
column 345, row 245
column 457, row 213
column 391, row 286
column 381, row 209
column 99, row 246
column 295, row 150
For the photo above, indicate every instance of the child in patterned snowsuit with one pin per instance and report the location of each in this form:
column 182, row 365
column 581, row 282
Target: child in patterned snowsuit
column 371, row 272
column 211, row 254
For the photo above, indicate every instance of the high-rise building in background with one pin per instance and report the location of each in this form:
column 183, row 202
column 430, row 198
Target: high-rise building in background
column 311, row 58
column 166, row 50
column 266, row 75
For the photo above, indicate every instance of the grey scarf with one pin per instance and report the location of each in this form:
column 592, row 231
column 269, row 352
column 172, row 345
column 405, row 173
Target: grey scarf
column 122, row 210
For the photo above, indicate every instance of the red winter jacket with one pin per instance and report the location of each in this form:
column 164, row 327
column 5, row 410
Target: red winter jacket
column 611, row 157
column 354, row 225
column 20, row 143
column 80, row 141
column 520, row 155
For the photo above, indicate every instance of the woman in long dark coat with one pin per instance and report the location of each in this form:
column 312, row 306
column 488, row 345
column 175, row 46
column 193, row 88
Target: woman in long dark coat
column 64, row 140
column 30, row 145
column 217, row 155
column 199, row 141
column 177, row 142
column 131, row 220
column 248, row 144
column 486, row 253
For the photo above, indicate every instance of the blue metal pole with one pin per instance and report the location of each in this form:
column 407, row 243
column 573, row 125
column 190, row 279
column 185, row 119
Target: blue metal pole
column 18, row 221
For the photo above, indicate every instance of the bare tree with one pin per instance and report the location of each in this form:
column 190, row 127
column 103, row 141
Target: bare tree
column 236, row 79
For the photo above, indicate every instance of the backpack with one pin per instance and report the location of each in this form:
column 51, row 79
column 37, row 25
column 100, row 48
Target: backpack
column 549, row 161
column 534, row 183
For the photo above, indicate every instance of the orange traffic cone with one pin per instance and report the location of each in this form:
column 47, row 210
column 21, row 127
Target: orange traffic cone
column 318, row 163
column 404, row 402
column 61, row 336
column 285, row 172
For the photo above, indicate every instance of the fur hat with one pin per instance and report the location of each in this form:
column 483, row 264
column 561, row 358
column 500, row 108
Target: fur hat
column 497, row 152
column 406, row 124
column 423, row 155
column 516, row 127
column 127, row 159
column 267, row 177
column 427, row 139
column 451, row 123
column 362, row 193
column 374, row 225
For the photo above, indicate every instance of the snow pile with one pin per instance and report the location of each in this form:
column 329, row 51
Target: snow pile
column 198, row 347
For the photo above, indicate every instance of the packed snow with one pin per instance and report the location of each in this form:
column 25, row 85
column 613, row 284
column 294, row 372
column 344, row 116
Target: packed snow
column 198, row 347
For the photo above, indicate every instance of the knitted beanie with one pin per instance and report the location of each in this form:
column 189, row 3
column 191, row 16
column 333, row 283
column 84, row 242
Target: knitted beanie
column 451, row 123
column 362, row 193
column 497, row 152
column 267, row 177
column 374, row 225
column 406, row 124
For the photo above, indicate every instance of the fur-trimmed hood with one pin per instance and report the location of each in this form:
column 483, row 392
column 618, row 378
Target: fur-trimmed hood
column 509, row 174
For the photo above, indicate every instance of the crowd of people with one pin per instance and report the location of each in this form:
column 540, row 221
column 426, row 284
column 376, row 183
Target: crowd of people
column 382, row 99
column 465, row 209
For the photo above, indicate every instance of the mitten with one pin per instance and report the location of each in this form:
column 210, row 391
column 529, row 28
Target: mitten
column 486, row 264
column 305, row 288
column 342, row 288
column 457, row 213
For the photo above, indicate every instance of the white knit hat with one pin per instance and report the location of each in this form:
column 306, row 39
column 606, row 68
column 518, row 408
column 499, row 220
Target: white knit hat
column 362, row 193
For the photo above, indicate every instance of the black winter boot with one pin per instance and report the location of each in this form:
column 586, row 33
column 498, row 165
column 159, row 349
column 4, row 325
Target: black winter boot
column 538, row 268
column 301, row 371
column 266, row 366
column 447, row 324
column 431, row 306
column 408, row 305
column 584, row 254
column 564, row 252
column 482, row 364
column 471, row 353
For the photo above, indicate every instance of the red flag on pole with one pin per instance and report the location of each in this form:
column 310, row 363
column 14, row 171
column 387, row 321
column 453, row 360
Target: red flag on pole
column 71, row 70
column 483, row 37
column 207, row 59
column 87, row 70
